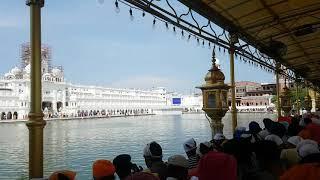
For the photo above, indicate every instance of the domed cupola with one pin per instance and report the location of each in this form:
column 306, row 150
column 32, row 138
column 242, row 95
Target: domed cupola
column 9, row 75
column 16, row 71
column 214, row 75
column 56, row 72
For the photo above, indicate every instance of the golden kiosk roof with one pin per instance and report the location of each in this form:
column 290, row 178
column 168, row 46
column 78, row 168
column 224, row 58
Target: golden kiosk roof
column 295, row 23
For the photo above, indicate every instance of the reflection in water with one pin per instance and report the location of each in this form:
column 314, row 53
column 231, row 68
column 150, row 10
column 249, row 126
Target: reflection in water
column 75, row 144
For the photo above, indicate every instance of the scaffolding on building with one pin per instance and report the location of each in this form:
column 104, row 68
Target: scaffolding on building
column 46, row 56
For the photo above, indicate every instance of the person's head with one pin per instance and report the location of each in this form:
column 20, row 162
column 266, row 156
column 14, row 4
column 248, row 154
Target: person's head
column 238, row 132
column 178, row 167
column 278, row 129
column 307, row 147
column 274, row 138
column 267, row 123
column 217, row 166
column 267, row 153
column 142, row 176
column 63, row 175
column 190, row 147
column 309, row 171
column 293, row 141
column 254, row 127
column 218, row 139
column 103, row 170
column 240, row 149
column 123, row 165
column 307, row 121
column 152, row 153
column 295, row 120
column 203, row 148
column 285, row 124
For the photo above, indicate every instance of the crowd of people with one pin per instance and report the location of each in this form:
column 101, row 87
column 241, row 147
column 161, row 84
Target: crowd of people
column 287, row 150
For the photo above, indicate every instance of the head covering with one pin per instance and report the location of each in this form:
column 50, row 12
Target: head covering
column 153, row 150
column 274, row 138
column 219, row 136
column 285, row 124
column 142, row 176
column 309, row 171
column 305, row 134
column 267, row 123
column 178, row 160
column 123, row 165
column 217, row 166
column 314, row 130
column 278, row 129
column 294, row 140
column 254, row 127
column 290, row 156
column 66, row 173
column 238, row 132
column 122, row 160
column 264, row 133
column 247, row 136
column 286, row 119
column 189, row 145
column 102, row 168
column 307, row 147
column 204, row 148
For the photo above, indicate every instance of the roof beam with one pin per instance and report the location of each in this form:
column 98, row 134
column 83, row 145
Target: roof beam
column 282, row 19
column 201, row 8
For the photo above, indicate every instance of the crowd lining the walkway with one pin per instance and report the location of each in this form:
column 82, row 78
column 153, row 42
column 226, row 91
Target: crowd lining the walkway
column 287, row 150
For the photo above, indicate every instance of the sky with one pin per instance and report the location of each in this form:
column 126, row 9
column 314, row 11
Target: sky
column 98, row 46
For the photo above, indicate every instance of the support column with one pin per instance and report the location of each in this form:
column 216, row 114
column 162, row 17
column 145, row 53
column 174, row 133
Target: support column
column 36, row 122
column 298, row 100
column 314, row 107
column 278, row 91
column 233, row 90
column 233, row 40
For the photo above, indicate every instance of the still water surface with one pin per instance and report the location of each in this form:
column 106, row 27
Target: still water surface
column 75, row 144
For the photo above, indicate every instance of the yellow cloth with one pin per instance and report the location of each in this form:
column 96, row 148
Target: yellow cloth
column 291, row 156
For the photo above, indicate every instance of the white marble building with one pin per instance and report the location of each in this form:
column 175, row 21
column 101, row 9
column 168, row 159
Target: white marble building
column 61, row 98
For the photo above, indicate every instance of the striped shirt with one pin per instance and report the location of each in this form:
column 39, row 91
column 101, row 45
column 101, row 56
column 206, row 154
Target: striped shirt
column 193, row 162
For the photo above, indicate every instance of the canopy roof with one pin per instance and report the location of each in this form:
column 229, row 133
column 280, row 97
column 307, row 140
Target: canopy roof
column 295, row 23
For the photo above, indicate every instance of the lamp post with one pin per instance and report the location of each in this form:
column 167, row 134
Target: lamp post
column 214, row 92
column 285, row 101
column 36, row 122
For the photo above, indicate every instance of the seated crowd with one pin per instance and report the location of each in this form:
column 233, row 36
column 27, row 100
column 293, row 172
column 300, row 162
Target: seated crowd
column 285, row 150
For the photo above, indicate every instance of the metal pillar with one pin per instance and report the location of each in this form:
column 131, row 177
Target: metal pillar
column 298, row 100
column 233, row 90
column 36, row 122
column 315, row 100
column 278, row 92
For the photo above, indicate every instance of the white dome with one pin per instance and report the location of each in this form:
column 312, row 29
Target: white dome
column 56, row 72
column 15, row 71
column 8, row 74
column 27, row 69
column 46, row 74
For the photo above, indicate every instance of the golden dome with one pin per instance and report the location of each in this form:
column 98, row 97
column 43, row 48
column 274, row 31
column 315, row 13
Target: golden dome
column 214, row 75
